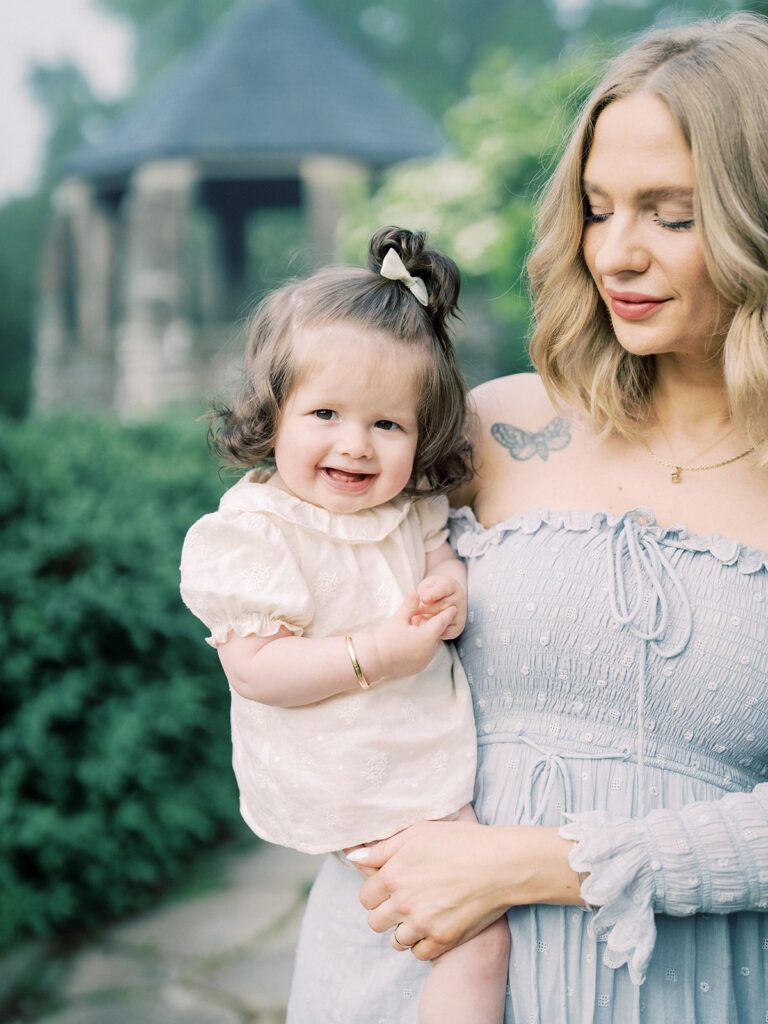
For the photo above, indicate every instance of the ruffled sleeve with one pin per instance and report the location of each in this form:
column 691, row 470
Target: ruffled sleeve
column 433, row 518
column 238, row 574
column 709, row 857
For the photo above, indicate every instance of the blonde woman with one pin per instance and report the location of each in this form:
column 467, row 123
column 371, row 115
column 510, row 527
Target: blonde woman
column 617, row 549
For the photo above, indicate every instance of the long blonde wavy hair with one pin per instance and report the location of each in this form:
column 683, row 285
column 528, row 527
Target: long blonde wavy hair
column 713, row 77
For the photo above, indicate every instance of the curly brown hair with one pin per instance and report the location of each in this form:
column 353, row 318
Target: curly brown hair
column 244, row 433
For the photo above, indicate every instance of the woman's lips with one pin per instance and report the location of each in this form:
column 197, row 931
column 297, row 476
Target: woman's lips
column 343, row 480
column 633, row 306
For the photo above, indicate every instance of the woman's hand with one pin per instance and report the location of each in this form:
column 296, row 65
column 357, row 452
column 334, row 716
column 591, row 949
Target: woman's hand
column 447, row 880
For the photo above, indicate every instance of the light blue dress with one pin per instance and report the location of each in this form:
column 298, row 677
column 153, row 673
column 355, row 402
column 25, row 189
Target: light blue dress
column 620, row 680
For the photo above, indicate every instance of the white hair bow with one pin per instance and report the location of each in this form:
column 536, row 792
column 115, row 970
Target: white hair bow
column 393, row 268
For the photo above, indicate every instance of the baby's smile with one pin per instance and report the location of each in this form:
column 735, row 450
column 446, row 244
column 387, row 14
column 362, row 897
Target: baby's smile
column 345, row 479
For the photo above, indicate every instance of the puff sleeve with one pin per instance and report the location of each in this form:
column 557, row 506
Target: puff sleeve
column 709, row 857
column 239, row 574
column 433, row 520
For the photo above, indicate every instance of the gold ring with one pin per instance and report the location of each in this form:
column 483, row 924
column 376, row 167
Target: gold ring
column 403, row 945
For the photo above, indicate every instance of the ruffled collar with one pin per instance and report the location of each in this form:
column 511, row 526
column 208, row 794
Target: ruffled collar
column 369, row 526
column 472, row 539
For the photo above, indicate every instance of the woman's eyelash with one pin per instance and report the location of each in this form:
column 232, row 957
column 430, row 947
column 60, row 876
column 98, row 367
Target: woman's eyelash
column 675, row 225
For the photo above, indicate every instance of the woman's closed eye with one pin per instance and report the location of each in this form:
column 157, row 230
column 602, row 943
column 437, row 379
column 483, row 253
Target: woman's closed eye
column 591, row 217
column 670, row 223
column 674, row 224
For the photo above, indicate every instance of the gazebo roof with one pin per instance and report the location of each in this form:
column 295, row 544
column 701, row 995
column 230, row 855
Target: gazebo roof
column 269, row 80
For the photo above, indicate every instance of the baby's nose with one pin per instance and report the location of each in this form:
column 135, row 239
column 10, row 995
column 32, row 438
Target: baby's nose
column 355, row 442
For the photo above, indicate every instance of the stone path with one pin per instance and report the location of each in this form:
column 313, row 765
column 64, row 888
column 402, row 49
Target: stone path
column 224, row 957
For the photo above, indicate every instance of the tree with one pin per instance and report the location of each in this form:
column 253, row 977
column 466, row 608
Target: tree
column 71, row 110
column 477, row 202
column 426, row 51
column 21, row 227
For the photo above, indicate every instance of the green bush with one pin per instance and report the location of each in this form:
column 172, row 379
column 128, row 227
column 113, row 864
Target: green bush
column 114, row 737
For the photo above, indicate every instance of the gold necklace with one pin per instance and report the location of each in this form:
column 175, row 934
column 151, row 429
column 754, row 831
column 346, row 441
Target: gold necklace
column 677, row 470
column 701, row 451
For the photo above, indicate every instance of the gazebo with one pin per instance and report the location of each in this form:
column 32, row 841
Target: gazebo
column 147, row 255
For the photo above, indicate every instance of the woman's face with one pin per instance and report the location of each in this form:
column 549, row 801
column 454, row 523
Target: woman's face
column 640, row 241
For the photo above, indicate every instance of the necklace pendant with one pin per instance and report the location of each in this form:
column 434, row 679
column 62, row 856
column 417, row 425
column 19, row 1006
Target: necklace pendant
column 676, row 478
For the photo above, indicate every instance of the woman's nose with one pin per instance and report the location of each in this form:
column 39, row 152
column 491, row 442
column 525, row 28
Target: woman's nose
column 619, row 247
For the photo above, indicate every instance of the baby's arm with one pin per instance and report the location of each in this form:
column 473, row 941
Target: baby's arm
column 444, row 586
column 288, row 671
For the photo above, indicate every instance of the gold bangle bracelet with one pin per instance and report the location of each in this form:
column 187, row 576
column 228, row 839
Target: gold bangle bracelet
column 363, row 682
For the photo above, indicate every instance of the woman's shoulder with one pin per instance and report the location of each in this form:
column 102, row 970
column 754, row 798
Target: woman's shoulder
column 520, row 394
column 508, row 415
column 512, row 412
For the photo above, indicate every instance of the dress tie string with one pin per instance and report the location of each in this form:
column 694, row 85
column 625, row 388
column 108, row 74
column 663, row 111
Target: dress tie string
column 641, row 581
column 634, row 553
column 551, row 767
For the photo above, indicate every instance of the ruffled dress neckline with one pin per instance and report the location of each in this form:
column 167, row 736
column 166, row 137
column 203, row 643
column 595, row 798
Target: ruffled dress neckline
column 474, row 539
column 367, row 526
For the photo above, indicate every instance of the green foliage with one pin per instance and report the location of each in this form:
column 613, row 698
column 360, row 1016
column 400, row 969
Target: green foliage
column 425, row 51
column 71, row 110
column 21, row 228
column 477, row 202
column 114, row 735
column 166, row 28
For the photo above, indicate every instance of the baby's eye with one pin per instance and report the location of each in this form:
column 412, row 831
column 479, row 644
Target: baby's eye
column 324, row 414
column 386, row 425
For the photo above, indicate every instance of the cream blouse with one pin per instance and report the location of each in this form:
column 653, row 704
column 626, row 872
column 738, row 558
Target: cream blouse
column 360, row 765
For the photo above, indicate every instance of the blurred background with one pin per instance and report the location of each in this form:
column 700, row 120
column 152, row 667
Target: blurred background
column 165, row 162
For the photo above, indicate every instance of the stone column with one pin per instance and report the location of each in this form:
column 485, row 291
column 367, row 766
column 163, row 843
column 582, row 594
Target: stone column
column 155, row 337
column 329, row 183
column 74, row 355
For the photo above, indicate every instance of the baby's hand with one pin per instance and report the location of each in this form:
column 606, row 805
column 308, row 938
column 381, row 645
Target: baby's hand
column 405, row 644
column 436, row 593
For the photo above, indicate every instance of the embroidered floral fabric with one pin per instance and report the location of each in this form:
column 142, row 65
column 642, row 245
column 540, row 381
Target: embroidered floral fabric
column 363, row 764
column 619, row 672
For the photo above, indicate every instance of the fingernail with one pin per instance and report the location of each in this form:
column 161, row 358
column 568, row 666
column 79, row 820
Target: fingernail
column 357, row 856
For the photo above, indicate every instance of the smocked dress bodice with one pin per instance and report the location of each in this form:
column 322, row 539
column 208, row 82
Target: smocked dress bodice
column 619, row 672
column 613, row 632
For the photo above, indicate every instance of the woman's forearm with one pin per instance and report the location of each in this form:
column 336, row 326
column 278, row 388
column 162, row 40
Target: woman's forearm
column 533, row 861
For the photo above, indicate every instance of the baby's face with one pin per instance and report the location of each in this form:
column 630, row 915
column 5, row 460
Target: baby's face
column 347, row 434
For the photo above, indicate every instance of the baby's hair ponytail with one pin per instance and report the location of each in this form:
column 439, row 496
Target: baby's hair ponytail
column 439, row 273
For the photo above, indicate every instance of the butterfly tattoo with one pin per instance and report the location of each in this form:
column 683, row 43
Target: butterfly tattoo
column 522, row 445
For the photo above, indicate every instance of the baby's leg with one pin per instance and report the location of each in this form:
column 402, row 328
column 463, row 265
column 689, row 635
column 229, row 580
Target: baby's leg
column 469, row 982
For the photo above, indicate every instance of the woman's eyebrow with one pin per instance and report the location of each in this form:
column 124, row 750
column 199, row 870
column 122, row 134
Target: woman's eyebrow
column 660, row 192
